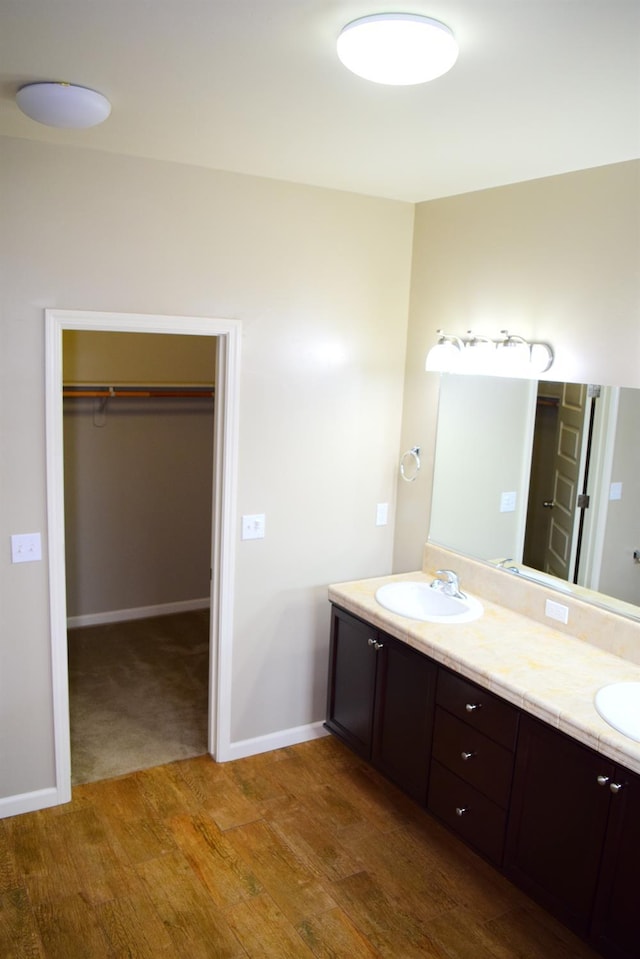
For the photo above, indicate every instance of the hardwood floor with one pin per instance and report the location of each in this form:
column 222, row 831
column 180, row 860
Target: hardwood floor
column 303, row 852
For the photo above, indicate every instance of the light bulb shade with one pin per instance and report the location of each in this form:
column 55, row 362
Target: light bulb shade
column 478, row 358
column 398, row 49
column 513, row 357
column 443, row 357
column 541, row 358
column 510, row 356
column 63, row 104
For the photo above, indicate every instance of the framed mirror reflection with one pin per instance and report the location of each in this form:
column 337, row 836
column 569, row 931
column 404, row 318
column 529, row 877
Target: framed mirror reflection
column 543, row 479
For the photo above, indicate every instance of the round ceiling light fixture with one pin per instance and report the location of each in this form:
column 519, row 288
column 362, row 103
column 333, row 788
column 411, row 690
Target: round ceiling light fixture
column 63, row 104
column 398, row 49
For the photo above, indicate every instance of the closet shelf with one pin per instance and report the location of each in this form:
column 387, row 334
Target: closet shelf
column 145, row 392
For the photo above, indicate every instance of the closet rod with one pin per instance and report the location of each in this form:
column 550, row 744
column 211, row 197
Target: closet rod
column 109, row 392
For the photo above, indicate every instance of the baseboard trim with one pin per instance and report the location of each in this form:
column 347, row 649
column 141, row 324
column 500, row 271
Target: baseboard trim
column 264, row 744
column 136, row 612
column 29, row 802
column 43, row 798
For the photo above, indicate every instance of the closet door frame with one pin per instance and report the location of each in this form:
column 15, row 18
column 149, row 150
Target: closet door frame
column 228, row 333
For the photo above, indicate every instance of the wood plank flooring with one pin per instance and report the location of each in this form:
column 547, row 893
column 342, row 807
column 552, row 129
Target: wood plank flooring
column 303, row 852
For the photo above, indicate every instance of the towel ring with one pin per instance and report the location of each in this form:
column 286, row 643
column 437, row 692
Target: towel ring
column 414, row 452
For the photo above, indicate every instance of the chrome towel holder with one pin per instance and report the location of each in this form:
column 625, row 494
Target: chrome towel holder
column 412, row 459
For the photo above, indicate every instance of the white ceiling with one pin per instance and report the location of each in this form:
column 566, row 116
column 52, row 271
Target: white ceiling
column 255, row 86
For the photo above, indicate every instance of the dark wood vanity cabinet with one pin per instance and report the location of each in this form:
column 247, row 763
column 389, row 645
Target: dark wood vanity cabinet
column 615, row 926
column 380, row 701
column 574, row 837
column 562, row 821
column 472, row 762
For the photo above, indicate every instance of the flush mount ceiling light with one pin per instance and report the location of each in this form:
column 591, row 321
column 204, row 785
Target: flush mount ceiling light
column 398, row 49
column 63, row 104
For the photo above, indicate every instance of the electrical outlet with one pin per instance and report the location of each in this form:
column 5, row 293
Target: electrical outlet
column 253, row 526
column 557, row 611
column 26, row 548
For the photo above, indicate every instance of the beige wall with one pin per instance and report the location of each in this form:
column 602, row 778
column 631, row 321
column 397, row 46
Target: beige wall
column 474, row 465
column 320, row 281
column 554, row 260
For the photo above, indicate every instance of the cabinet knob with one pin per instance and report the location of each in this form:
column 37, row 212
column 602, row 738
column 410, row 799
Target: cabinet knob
column 465, row 756
column 602, row 780
column 461, row 810
column 371, row 641
column 471, row 707
column 378, row 646
column 616, row 787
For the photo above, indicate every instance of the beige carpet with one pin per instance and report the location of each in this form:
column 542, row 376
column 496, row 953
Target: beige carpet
column 138, row 694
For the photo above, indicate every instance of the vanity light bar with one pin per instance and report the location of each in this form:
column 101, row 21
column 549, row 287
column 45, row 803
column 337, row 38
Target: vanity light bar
column 511, row 355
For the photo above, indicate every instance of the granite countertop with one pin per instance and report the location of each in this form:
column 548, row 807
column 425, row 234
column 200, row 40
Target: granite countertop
column 543, row 671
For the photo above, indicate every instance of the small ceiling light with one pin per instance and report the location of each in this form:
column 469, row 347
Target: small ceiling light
column 398, row 49
column 63, row 104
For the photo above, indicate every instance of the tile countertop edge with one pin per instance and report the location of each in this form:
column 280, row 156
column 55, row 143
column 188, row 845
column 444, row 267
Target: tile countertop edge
column 544, row 672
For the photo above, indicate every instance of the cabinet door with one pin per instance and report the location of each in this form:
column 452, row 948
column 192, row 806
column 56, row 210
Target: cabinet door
column 405, row 697
column 352, row 671
column 558, row 822
column 616, row 925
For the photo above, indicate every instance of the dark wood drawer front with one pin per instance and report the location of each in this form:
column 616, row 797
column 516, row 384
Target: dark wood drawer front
column 473, row 756
column 475, row 818
column 476, row 706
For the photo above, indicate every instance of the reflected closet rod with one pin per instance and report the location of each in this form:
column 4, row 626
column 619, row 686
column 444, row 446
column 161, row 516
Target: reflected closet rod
column 109, row 392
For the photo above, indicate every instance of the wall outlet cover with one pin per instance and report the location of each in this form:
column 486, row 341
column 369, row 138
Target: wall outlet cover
column 557, row 611
column 26, row 548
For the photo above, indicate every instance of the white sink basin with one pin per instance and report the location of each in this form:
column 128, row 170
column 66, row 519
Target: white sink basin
column 619, row 705
column 420, row 601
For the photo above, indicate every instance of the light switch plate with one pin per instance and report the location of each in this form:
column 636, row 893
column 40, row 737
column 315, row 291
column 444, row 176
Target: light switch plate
column 26, row 548
column 507, row 502
column 253, row 526
column 615, row 491
column 382, row 514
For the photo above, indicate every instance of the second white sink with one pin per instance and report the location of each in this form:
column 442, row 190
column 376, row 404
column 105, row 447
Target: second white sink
column 418, row 600
column 619, row 705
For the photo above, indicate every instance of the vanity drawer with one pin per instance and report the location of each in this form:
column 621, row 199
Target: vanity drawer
column 477, row 707
column 476, row 819
column 473, row 756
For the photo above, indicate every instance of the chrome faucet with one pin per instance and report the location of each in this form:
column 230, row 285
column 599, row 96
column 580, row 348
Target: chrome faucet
column 450, row 586
column 509, row 569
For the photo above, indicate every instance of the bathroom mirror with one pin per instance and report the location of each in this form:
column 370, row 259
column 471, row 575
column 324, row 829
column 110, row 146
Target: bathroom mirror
column 545, row 475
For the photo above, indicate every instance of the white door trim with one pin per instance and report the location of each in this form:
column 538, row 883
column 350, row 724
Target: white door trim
column 223, row 520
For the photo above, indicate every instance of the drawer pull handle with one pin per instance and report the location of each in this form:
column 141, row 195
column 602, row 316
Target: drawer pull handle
column 602, row 780
column 616, row 787
column 471, row 707
column 461, row 810
column 465, row 756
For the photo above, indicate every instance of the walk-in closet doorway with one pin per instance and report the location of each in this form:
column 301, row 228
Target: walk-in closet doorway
column 227, row 333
